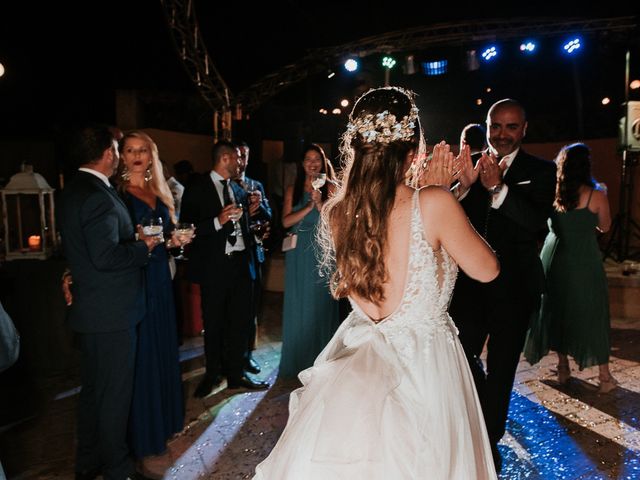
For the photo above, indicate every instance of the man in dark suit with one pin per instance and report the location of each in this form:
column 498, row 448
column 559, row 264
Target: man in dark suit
column 221, row 261
column 259, row 211
column 508, row 197
column 108, row 301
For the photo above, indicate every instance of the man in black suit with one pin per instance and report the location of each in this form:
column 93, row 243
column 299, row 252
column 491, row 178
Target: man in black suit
column 108, row 301
column 508, row 197
column 259, row 210
column 221, row 260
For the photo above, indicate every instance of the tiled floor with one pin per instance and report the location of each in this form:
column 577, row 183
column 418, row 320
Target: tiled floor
column 554, row 432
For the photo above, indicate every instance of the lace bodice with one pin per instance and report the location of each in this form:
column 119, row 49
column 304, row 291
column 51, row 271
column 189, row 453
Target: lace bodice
column 431, row 276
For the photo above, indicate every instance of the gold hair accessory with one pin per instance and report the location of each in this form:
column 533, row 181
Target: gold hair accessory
column 383, row 127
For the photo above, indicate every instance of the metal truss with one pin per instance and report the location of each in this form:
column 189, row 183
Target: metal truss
column 182, row 21
column 181, row 18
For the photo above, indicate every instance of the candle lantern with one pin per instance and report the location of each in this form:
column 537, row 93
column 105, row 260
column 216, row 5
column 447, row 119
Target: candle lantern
column 28, row 216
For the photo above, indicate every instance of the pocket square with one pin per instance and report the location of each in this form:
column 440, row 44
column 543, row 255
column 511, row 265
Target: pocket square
column 524, row 182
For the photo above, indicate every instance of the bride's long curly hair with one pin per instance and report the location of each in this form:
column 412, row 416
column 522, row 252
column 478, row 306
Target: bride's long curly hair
column 353, row 227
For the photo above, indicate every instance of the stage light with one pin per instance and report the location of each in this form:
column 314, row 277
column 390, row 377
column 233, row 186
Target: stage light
column 527, row 47
column 1, row 70
column 572, row 45
column 490, row 53
column 336, row 111
column 344, row 102
column 351, row 65
column 388, row 62
column 635, row 84
column 331, row 74
column 323, row 111
column 437, row 67
column 488, row 90
column 478, row 101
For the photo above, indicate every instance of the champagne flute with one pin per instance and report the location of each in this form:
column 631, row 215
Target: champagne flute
column 184, row 232
column 318, row 180
column 234, row 217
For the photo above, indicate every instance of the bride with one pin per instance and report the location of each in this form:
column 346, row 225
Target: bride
column 391, row 395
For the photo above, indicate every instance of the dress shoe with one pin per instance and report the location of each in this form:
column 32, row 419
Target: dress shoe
column 251, row 366
column 206, row 385
column 246, row 382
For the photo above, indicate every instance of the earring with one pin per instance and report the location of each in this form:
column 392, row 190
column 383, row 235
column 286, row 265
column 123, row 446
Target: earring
column 147, row 174
column 126, row 174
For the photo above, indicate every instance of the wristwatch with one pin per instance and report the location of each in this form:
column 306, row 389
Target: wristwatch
column 496, row 188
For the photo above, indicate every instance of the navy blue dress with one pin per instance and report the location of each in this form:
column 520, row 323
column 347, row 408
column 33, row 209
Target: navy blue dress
column 157, row 408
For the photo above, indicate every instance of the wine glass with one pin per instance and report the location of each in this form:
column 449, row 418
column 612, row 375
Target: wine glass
column 234, row 217
column 152, row 226
column 318, row 180
column 184, row 232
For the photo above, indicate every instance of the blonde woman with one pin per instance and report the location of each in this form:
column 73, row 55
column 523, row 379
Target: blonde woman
column 157, row 409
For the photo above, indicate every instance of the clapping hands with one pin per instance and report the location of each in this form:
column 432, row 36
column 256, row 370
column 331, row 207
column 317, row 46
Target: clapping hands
column 442, row 168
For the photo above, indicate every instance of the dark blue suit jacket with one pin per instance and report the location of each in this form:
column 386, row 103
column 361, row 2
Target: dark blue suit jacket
column 105, row 259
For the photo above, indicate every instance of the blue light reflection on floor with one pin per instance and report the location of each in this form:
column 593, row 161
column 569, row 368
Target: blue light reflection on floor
column 543, row 445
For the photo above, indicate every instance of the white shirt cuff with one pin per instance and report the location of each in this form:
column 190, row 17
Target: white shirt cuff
column 216, row 224
column 498, row 199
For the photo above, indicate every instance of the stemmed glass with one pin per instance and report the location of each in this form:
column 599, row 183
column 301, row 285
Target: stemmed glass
column 234, row 217
column 184, row 232
column 318, row 180
column 152, row 226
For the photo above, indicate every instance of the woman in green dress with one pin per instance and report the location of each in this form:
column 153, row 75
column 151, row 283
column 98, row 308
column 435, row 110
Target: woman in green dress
column 574, row 316
column 310, row 314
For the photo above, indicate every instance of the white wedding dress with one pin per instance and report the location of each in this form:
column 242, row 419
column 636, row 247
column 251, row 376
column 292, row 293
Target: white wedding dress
column 389, row 400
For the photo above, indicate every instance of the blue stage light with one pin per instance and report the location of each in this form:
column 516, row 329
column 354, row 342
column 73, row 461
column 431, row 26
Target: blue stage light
column 527, row 47
column 489, row 53
column 572, row 45
column 351, row 65
column 438, row 67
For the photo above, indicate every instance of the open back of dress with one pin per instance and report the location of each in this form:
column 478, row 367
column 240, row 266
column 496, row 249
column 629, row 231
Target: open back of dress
column 390, row 400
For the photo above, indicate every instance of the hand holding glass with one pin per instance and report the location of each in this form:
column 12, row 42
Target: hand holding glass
column 184, row 232
column 318, row 180
column 234, row 217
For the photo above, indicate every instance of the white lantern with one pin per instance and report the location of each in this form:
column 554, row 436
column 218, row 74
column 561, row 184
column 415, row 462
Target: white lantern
column 28, row 216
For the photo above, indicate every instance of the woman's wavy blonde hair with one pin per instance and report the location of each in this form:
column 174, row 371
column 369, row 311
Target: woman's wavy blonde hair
column 374, row 164
column 157, row 184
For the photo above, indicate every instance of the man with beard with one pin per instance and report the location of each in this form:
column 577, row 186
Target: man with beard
column 259, row 211
column 108, row 303
column 508, row 197
column 221, row 261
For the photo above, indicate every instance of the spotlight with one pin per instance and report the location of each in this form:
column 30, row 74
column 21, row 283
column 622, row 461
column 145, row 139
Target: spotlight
column 388, row 62
column 478, row 101
column 572, row 45
column 490, row 53
column 606, row 101
column 635, row 84
column 344, row 102
column 331, row 74
column 437, row 67
column 527, row 47
column 1, row 70
column 351, row 65
column 336, row 111
column 323, row 111
column 488, row 89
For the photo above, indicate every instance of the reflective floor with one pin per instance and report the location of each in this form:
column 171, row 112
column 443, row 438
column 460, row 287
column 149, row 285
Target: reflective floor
column 554, row 431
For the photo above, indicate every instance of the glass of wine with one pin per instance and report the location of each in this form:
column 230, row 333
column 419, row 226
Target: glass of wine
column 234, row 217
column 152, row 227
column 184, row 232
column 318, row 180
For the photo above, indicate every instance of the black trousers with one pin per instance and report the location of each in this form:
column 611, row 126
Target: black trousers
column 226, row 296
column 495, row 314
column 107, row 367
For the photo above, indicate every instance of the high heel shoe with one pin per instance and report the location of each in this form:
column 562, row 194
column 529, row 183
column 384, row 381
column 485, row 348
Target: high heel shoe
column 607, row 385
column 564, row 373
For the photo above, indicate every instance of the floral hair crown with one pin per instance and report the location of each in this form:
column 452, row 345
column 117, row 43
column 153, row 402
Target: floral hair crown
column 384, row 127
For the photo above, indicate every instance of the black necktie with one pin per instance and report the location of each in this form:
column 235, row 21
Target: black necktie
column 228, row 227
